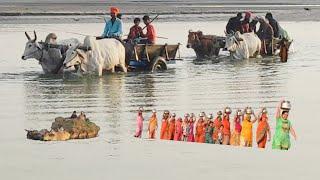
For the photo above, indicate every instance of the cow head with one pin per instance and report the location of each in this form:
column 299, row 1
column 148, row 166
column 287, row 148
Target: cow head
column 232, row 41
column 74, row 57
column 193, row 38
column 32, row 49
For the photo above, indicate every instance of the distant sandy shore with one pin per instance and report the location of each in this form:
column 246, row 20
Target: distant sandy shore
column 74, row 11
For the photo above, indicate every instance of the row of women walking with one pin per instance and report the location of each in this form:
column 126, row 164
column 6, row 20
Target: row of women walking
column 217, row 130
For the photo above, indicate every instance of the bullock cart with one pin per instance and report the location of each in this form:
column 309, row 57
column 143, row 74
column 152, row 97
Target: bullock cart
column 154, row 57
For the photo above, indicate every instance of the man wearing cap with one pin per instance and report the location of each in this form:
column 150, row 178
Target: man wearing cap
column 113, row 27
column 153, row 125
column 151, row 32
column 234, row 24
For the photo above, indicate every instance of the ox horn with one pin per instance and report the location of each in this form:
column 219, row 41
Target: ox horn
column 27, row 35
column 35, row 36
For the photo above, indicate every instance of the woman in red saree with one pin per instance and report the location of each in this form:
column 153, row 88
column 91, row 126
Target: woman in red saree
column 226, row 126
column 200, row 130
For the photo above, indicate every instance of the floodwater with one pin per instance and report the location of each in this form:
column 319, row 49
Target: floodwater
column 31, row 100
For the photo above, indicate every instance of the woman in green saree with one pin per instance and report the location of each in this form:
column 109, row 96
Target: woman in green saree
column 281, row 139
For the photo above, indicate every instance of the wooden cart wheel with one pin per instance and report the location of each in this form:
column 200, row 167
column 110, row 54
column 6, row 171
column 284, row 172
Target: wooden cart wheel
column 158, row 64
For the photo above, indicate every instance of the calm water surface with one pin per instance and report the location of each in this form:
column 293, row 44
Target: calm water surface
column 31, row 100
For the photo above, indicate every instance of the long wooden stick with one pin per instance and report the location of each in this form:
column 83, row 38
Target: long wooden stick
column 151, row 21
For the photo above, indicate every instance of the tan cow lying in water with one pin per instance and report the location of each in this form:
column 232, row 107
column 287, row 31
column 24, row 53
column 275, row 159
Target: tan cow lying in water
column 205, row 46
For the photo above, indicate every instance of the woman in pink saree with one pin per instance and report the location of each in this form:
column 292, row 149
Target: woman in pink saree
column 139, row 123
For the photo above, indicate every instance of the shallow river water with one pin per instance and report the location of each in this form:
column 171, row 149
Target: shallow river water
column 31, row 100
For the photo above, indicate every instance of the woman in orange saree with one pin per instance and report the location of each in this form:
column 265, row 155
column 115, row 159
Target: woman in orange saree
column 217, row 123
column 153, row 125
column 164, row 125
column 172, row 123
column 263, row 129
column 246, row 132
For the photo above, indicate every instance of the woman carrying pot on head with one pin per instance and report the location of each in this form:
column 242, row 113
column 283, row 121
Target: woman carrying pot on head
column 185, row 127
column 139, row 123
column 263, row 129
column 165, row 125
column 191, row 127
column 226, row 126
column 217, row 124
column 281, row 138
column 246, row 132
column 200, row 129
column 235, row 137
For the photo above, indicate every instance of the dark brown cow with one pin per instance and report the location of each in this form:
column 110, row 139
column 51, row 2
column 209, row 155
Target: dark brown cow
column 205, row 46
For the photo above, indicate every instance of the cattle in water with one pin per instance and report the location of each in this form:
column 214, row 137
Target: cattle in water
column 243, row 46
column 205, row 46
column 50, row 59
column 104, row 54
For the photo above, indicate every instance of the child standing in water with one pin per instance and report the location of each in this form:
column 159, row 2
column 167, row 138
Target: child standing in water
column 209, row 131
column 220, row 135
column 263, row 129
column 153, row 125
column 281, row 139
column 139, row 123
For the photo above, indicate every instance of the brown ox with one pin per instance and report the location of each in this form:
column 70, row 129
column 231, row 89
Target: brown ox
column 205, row 46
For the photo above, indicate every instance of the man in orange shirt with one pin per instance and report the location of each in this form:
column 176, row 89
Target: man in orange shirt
column 151, row 32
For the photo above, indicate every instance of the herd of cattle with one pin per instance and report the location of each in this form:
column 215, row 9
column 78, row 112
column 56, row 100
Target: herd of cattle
column 96, row 56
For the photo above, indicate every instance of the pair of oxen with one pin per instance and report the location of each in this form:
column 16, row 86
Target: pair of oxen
column 90, row 56
column 240, row 46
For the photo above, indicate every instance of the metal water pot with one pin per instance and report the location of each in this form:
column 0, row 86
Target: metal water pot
column 227, row 110
column 249, row 110
column 286, row 105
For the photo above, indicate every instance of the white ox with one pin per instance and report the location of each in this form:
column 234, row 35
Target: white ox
column 243, row 46
column 105, row 54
